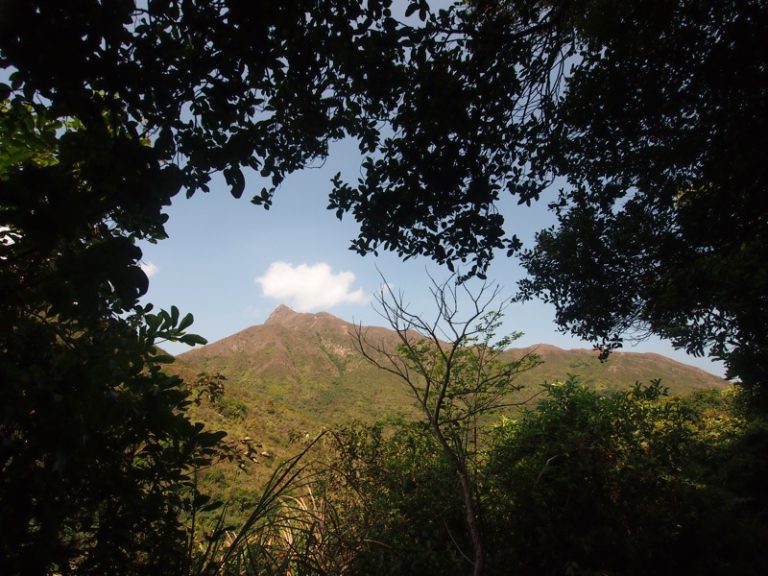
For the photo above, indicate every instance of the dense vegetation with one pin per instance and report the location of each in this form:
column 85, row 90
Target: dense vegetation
column 96, row 452
column 300, row 373
column 629, row 482
column 652, row 112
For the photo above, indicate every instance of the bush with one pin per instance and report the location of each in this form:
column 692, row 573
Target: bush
column 623, row 483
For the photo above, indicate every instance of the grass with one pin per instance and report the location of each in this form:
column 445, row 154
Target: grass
column 284, row 534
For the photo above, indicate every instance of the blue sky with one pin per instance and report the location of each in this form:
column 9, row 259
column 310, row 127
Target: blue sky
column 230, row 263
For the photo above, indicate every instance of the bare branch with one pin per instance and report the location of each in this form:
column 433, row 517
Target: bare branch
column 452, row 366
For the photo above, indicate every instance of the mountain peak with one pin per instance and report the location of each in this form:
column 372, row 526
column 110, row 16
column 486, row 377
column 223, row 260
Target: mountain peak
column 288, row 317
column 281, row 314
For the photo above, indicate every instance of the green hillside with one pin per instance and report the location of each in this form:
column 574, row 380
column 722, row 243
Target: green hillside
column 620, row 370
column 298, row 373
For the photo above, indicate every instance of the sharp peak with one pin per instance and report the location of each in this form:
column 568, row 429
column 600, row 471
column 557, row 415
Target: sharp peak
column 284, row 314
column 280, row 311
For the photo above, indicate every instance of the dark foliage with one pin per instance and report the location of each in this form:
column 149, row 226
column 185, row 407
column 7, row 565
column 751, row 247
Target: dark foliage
column 403, row 503
column 96, row 452
column 627, row 483
column 653, row 112
column 661, row 134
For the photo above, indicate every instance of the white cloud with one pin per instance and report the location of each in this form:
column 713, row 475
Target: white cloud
column 149, row 268
column 307, row 287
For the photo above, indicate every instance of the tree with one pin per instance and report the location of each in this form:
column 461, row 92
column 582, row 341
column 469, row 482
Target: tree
column 627, row 482
column 400, row 499
column 97, row 452
column 651, row 114
column 452, row 366
column 108, row 110
column 212, row 86
column 227, row 86
column 662, row 225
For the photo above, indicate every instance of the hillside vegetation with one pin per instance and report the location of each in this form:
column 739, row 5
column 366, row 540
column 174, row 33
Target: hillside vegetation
column 634, row 462
column 648, row 117
column 299, row 373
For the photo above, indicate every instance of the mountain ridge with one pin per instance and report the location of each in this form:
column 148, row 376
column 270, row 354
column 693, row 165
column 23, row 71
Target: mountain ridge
column 283, row 318
column 309, row 369
column 299, row 373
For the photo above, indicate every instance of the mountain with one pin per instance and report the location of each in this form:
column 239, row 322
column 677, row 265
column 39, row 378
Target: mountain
column 298, row 356
column 298, row 373
column 307, row 371
column 620, row 370
column 303, row 363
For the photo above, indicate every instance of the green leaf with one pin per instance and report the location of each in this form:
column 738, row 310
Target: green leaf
column 186, row 322
column 193, row 340
column 234, row 177
column 163, row 359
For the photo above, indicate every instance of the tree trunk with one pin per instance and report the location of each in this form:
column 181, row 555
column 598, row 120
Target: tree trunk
column 468, row 494
column 472, row 522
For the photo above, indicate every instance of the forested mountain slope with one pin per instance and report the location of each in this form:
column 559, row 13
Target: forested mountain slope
column 300, row 372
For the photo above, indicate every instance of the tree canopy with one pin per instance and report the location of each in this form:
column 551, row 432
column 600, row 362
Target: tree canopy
column 652, row 112
column 661, row 134
column 97, row 451
column 453, row 369
column 629, row 482
column 650, row 115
